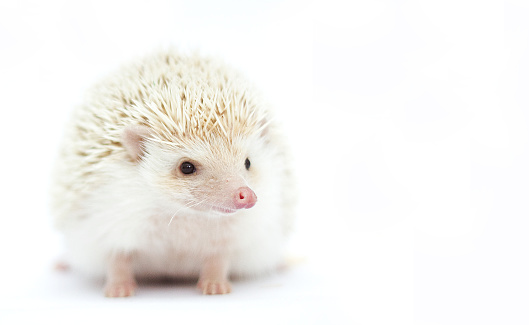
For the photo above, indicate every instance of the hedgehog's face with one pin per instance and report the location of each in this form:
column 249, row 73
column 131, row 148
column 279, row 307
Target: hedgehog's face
column 214, row 176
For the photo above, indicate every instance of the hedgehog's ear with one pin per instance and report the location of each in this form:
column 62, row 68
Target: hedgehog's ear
column 133, row 139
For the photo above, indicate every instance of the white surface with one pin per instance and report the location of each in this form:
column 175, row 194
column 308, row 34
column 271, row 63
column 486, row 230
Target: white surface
column 410, row 128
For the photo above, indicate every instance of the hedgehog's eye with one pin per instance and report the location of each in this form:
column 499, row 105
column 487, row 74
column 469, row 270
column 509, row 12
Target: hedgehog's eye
column 187, row 168
column 247, row 164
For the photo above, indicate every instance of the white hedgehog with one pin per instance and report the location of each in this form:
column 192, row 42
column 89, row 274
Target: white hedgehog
column 173, row 167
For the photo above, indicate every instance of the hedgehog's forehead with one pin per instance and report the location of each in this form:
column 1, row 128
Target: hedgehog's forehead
column 213, row 146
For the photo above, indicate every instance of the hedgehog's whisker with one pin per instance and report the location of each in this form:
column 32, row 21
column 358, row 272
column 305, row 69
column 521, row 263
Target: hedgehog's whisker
column 186, row 206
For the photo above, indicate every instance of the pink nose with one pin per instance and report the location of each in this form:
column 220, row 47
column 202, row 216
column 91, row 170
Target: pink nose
column 244, row 198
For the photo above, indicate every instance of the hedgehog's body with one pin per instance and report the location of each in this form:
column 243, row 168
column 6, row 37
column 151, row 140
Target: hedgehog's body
column 155, row 178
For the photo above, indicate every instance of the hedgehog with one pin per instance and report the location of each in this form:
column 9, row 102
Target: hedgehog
column 173, row 167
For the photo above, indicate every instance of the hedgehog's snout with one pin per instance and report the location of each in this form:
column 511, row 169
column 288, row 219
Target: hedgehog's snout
column 238, row 196
column 244, row 198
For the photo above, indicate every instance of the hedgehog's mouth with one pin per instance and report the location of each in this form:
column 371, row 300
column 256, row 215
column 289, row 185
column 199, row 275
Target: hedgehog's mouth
column 223, row 209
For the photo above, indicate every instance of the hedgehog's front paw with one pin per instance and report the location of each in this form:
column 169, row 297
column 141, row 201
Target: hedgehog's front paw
column 120, row 289
column 214, row 286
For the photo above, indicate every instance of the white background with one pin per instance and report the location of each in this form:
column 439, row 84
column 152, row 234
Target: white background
column 409, row 126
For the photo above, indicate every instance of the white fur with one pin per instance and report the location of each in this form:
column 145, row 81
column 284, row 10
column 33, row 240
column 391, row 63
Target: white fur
column 106, row 202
